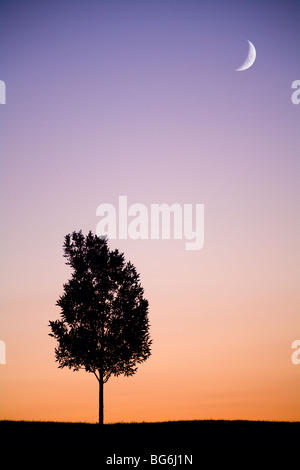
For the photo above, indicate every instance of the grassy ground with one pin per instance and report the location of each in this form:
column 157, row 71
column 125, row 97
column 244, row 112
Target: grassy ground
column 144, row 439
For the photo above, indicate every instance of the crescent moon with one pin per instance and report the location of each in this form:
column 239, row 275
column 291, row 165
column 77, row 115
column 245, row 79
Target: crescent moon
column 250, row 58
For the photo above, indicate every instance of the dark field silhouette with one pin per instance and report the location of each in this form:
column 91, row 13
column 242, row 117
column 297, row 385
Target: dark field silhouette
column 196, row 438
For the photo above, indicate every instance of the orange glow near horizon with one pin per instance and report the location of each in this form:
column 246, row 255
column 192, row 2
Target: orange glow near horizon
column 210, row 365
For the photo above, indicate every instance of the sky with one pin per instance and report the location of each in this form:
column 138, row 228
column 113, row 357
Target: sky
column 142, row 99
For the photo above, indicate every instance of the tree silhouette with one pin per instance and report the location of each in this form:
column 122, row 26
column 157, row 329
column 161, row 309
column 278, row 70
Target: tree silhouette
column 104, row 326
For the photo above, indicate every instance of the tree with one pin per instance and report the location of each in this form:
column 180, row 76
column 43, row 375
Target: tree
column 104, row 325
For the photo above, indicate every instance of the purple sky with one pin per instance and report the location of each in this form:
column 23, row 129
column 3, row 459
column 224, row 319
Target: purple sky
column 141, row 98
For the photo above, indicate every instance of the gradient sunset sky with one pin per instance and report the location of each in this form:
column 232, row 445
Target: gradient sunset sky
column 141, row 98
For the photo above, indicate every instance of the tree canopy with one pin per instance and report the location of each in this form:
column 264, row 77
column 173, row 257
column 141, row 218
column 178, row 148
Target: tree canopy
column 103, row 326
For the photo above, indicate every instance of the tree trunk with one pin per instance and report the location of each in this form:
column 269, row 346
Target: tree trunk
column 101, row 401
